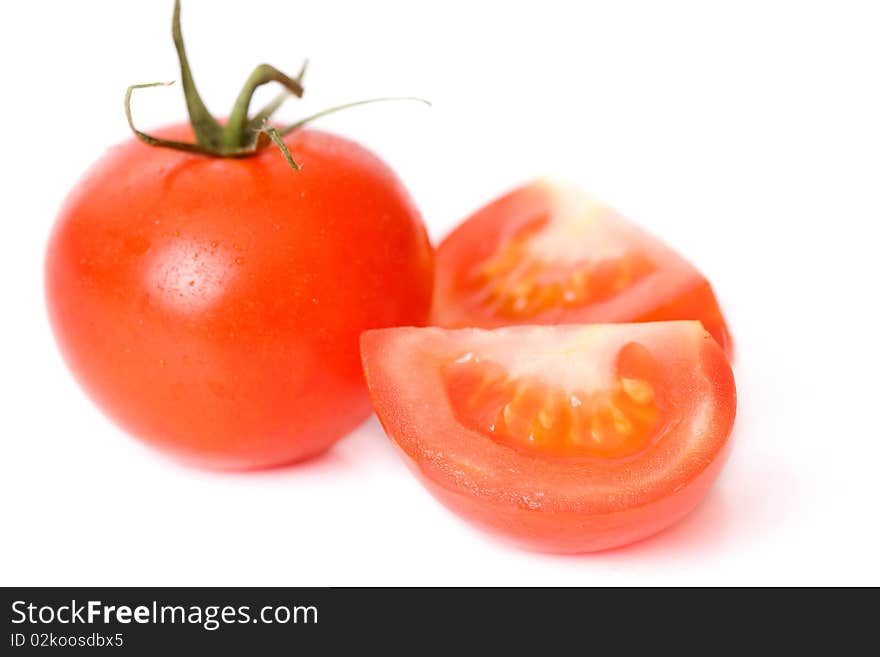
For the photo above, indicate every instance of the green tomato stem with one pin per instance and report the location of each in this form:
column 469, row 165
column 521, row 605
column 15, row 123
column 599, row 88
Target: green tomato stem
column 243, row 135
column 207, row 130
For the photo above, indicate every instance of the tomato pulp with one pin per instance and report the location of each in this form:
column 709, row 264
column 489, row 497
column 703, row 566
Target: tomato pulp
column 568, row 438
column 212, row 306
column 547, row 253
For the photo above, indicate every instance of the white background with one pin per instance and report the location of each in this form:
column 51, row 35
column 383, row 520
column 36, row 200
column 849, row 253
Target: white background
column 745, row 134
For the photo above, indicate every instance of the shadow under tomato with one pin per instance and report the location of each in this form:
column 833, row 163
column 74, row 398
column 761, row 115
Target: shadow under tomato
column 701, row 531
column 368, row 446
column 363, row 447
column 749, row 504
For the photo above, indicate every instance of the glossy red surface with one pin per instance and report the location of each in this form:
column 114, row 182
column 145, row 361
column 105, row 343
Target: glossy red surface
column 212, row 307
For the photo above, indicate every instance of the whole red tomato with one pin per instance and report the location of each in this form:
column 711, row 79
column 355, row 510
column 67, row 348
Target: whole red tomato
column 209, row 297
column 213, row 306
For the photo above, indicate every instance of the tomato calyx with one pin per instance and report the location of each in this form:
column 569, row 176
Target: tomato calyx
column 243, row 134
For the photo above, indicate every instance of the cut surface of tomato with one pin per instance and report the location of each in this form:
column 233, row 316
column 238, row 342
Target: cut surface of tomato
column 548, row 253
column 567, row 438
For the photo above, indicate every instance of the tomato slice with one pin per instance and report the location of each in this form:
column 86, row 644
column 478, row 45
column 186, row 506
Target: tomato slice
column 547, row 253
column 567, row 438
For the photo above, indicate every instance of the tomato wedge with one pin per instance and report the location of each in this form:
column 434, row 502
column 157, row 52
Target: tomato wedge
column 548, row 253
column 567, row 438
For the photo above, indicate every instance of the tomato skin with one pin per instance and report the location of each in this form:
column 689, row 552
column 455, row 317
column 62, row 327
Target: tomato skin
column 212, row 307
column 575, row 533
column 675, row 291
column 550, row 504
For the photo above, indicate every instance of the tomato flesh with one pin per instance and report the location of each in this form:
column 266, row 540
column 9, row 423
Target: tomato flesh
column 548, row 253
column 608, row 418
column 567, row 438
